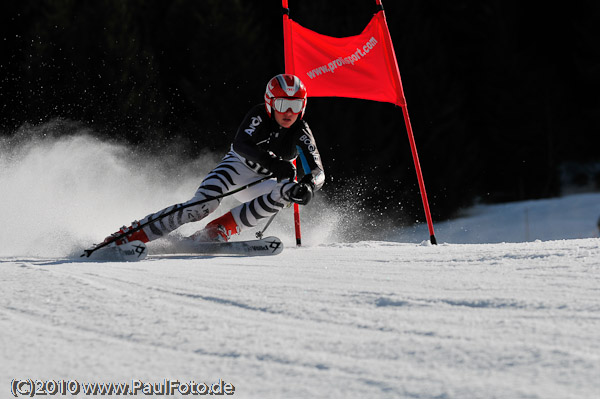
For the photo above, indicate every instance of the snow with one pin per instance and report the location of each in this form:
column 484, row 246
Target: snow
column 506, row 306
column 572, row 216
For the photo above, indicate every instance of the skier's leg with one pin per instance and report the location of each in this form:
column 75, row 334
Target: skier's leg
column 250, row 213
column 175, row 216
column 246, row 215
column 228, row 175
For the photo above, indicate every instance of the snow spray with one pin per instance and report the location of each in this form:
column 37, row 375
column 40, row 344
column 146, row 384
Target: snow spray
column 63, row 188
column 63, row 192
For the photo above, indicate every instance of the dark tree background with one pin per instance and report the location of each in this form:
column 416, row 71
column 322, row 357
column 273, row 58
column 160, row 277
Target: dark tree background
column 500, row 93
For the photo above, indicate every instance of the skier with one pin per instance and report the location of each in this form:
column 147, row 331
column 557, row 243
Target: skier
column 268, row 139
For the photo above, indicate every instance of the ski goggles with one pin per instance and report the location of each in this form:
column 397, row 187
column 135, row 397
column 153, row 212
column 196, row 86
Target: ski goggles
column 283, row 104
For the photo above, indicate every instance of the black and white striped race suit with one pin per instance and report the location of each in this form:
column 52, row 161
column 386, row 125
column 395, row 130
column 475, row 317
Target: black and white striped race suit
column 258, row 140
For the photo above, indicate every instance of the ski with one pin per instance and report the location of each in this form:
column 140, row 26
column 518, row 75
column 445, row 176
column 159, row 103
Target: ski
column 128, row 252
column 261, row 247
column 136, row 250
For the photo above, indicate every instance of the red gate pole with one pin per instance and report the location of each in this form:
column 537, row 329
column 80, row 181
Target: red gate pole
column 411, row 138
column 289, row 68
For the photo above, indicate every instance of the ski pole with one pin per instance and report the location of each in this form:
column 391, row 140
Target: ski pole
column 259, row 234
column 88, row 252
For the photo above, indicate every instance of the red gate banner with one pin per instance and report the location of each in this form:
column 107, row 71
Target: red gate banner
column 362, row 66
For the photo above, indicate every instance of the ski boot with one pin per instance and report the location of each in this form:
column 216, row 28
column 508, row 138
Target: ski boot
column 139, row 235
column 219, row 230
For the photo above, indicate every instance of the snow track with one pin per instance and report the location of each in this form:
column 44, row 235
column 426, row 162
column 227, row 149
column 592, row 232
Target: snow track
column 369, row 319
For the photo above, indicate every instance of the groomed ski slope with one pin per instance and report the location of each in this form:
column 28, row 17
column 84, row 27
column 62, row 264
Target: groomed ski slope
column 502, row 318
column 368, row 319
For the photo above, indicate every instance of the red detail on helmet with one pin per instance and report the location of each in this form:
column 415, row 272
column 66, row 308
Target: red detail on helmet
column 285, row 86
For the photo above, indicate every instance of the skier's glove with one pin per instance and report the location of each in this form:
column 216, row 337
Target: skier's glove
column 309, row 180
column 282, row 170
column 301, row 193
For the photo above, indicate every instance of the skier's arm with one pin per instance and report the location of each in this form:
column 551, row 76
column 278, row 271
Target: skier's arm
column 310, row 158
column 248, row 136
